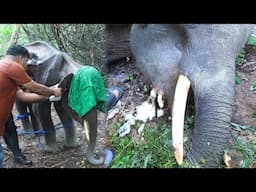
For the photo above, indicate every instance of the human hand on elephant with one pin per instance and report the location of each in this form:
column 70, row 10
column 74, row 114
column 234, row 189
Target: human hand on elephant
column 54, row 98
column 57, row 91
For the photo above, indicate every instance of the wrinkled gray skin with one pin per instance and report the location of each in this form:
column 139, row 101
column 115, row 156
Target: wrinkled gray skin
column 205, row 53
column 90, row 117
column 29, row 122
column 54, row 65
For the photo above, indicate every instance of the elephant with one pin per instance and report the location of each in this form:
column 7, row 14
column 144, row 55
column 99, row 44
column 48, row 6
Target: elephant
column 88, row 121
column 176, row 56
column 55, row 67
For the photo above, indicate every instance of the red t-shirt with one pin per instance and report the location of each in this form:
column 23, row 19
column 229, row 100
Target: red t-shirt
column 12, row 74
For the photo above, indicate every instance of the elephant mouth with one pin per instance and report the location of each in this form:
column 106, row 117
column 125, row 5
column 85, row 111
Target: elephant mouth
column 178, row 114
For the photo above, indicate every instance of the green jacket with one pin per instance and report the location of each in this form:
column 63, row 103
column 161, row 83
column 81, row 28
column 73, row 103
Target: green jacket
column 86, row 91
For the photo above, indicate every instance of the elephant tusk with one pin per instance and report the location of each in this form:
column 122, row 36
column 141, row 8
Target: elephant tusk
column 160, row 99
column 86, row 127
column 178, row 112
column 153, row 97
column 153, row 93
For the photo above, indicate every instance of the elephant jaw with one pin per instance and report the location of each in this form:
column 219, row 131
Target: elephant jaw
column 86, row 128
column 178, row 113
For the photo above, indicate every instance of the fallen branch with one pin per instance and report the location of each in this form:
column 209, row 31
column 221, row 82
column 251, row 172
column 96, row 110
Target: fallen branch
column 248, row 67
column 127, row 98
column 60, row 163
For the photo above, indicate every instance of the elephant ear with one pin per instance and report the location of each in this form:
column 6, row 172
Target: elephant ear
column 65, row 82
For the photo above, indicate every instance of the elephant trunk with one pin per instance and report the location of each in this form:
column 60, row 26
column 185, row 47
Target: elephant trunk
column 213, row 105
column 91, row 158
column 213, row 112
column 90, row 135
column 211, row 133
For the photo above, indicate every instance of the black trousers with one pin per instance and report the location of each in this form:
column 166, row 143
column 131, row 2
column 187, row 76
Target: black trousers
column 11, row 136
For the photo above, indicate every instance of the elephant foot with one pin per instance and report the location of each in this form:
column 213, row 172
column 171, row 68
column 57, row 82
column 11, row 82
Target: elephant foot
column 73, row 144
column 54, row 148
column 95, row 160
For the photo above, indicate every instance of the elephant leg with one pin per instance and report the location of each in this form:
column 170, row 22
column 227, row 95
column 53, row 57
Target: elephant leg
column 44, row 112
column 90, row 119
column 68, row 125
column 23, row 109
column 35, row 123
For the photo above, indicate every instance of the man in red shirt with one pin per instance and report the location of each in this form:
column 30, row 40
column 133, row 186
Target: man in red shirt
column 12, row 76
column 10, row 134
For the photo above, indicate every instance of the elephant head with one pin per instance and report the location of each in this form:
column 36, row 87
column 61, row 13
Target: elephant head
column 174, row 57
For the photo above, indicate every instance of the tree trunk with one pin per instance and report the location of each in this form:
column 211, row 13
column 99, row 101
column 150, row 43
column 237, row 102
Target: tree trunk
column 15, row 35
column 117, row 42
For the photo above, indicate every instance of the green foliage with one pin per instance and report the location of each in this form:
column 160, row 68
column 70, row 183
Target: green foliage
column 254, row 85
column 246, row 149
column 130, row 77
column 154, row 151
column 5, row 35
column 187, row 164
column 83, row 42
column 240, row 57
column 145, row 88
column 252, row 40
column 189, row 121
column 253, row 143
column 238, row 79
column 6, row 31
column 253, row 114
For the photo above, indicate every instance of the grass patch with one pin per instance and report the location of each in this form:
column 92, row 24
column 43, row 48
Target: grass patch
column 151, row 150
column 253, row 114
column 252, row 40
column 248, row 151
column 254, row 85
column 237, row 79
column 240, row 57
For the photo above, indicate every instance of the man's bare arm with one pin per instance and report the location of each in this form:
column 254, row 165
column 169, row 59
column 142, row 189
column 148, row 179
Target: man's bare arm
column 29, row 97
column 41, row 89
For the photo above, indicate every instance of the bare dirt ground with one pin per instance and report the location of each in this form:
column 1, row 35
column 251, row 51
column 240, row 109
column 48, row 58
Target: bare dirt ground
column 136, row 90
column 245, row 99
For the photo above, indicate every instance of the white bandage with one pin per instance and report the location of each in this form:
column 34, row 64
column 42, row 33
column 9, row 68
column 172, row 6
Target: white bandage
column 54, row 98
